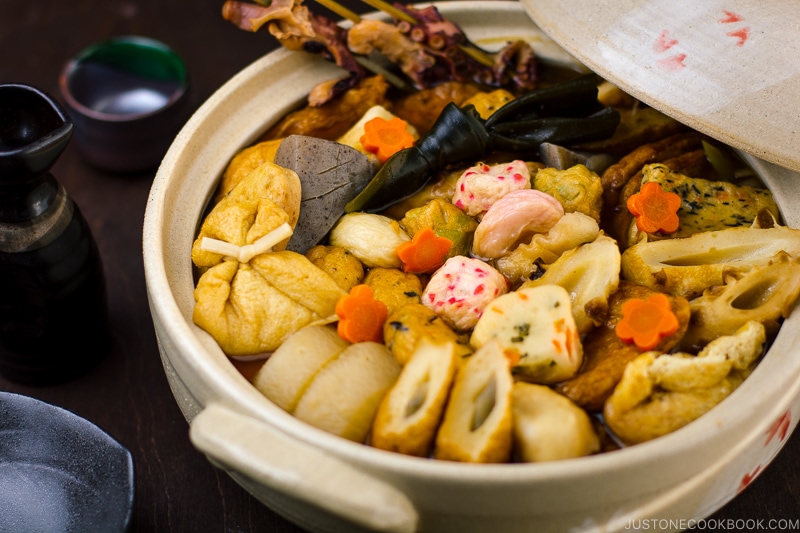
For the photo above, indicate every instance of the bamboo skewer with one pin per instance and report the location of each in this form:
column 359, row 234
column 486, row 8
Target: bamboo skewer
column 475, row 53
column 340, row 10
column 363, row 61
column 478, row 55
column 375, row 68
column 390, row 10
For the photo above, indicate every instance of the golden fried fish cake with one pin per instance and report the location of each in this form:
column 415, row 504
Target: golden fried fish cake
column 606, row 356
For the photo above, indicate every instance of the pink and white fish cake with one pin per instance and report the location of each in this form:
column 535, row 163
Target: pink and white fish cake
column 514, row 219
column 461, row 289
column 482, row 185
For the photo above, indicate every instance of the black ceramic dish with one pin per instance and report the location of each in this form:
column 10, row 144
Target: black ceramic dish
column 59, row 472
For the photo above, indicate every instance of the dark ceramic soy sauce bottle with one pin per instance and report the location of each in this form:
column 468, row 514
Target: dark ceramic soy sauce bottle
column 53, row 320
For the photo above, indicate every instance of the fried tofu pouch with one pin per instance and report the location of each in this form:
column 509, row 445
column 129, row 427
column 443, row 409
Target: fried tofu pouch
column 661, row 393
column 244, row 163
column 268, row 197
column 251, row 308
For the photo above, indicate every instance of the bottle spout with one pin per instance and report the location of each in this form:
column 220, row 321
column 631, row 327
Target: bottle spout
column 34, row 131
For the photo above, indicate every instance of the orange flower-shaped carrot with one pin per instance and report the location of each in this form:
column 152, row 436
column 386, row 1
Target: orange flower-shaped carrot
column 655, row 210
column 425, row 252
column 646, row 322
column 513, row 356
column 361, row 315
column 386, row 137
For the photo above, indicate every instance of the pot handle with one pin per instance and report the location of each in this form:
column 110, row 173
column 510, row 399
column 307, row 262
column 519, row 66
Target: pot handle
column 290, row 467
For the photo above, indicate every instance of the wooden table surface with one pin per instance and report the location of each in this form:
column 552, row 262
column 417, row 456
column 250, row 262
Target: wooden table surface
column 127, row 394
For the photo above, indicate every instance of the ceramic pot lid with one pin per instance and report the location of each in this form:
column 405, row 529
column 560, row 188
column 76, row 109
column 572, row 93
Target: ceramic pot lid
column 730, row 69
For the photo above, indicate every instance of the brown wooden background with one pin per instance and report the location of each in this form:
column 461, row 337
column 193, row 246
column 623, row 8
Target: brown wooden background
column 127, row 395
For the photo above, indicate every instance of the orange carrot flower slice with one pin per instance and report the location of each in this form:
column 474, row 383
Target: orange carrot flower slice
column 386, row 137
column 425, row 252
column 655, row 210
column 361, row 315
column 646, row 322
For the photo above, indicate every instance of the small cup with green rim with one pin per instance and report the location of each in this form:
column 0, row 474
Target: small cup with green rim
column 128, row 99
